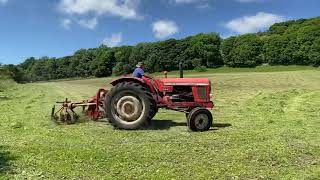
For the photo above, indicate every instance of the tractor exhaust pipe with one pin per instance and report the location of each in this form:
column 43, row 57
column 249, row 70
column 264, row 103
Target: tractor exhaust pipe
column 181, row 69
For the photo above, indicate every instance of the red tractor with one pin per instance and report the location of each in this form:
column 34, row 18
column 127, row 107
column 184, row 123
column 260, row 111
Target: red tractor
column 133, row 102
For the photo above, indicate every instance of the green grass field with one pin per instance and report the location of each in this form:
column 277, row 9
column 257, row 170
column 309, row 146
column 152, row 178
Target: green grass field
column 266, row 126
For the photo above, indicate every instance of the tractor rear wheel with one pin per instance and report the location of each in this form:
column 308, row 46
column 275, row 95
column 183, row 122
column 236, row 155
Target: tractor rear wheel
column 154, row 112
column 129, row 106
column 199, row 119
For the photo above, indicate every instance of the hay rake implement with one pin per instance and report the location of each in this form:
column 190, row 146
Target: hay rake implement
column 94, row 108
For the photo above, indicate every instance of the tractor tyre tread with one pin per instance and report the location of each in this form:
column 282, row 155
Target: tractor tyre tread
column 137, row 88
column 192, row 115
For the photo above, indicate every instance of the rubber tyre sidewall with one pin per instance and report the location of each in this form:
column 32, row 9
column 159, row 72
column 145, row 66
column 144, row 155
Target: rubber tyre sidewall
column 191, row 119
column 137, row 91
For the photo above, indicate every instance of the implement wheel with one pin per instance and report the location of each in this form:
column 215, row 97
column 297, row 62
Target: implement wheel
column 129, row 106
column 199, row 119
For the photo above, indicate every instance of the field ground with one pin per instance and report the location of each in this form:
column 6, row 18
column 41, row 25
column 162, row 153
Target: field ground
column 266, row 125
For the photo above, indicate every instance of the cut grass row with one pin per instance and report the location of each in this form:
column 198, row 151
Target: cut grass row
column 266, row 126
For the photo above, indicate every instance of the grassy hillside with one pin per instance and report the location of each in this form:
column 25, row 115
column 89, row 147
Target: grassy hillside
column 244, row 70
column 266, row 126
column 219, row 70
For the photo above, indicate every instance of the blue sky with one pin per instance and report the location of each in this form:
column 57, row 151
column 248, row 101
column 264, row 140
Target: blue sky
column 57, row 28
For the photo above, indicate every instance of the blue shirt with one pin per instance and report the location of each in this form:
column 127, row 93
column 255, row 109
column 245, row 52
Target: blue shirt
column 138, row 73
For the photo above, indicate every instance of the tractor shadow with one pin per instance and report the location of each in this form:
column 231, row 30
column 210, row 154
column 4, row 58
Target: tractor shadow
column 5, row 161
column 164, row 124
column 3, row 98
column 217, row 126
column 167, row 124
column 156, row 124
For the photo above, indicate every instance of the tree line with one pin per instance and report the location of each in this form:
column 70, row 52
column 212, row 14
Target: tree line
column 295, row 42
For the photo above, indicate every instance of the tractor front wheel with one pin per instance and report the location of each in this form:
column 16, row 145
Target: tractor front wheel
column 199, row 119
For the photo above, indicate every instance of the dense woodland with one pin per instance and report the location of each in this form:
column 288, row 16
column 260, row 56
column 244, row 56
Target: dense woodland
column 295, row 42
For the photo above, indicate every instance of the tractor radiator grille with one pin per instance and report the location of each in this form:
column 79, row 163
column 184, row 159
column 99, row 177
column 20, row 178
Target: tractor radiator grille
column 202, row 92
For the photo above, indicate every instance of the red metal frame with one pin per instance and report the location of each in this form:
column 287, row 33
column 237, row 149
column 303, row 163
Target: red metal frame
column 158, row 87
column 94, row 111
column 166, row 86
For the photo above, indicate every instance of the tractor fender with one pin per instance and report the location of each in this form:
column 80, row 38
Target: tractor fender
column 128, row 79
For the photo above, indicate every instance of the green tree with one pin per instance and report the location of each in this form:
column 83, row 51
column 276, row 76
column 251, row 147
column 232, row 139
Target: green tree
column 13, row 72
column 103, row 63
column 243, row 51
column 196, row 62
column 227, row 47
column 314, row 54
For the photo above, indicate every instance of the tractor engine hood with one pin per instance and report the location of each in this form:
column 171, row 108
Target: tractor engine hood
column 185, row 82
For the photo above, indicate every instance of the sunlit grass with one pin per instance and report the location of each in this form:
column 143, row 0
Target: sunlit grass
column 266, row 125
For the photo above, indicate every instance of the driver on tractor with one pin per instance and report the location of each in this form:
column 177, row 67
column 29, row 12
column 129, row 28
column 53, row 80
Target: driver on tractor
column 139, row 71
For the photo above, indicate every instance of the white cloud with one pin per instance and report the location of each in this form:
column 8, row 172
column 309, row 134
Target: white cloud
column 66, row 23
column 114, row 40
column 164, row 28
column 88, row 23
column 126, row 9
column 3, row 2
column 188, row 1
column 249, row 1
column 201, row 4
column 249, row 24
